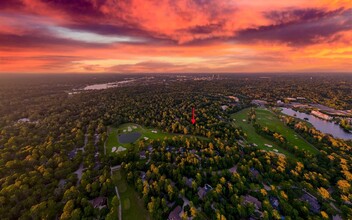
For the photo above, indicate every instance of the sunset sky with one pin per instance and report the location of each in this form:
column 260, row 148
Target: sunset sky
column 138, row 36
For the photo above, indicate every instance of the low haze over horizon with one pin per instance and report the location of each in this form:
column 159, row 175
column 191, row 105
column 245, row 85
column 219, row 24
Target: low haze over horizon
column 136, row 36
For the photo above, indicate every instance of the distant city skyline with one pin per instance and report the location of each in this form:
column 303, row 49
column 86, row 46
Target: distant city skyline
column 193, row 36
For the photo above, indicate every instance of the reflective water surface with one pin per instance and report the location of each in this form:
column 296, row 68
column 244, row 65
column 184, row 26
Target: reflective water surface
column 320, row 124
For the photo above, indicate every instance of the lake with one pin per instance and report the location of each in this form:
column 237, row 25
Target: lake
column 107, row 85
column 320, row 124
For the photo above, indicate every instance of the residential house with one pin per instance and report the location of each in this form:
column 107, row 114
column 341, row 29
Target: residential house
column 234, row 98
column 143, row 175
column 72, row 154
column 254, row 172
column 202, row 191
column 336, row 217
column 259, row 102
column 175, row 214
column 233, row 169
column 321, row 115
column 250, row 199
column 291, row 99
column 142, row 155
column 312, row 201
column 99, row 202
column 274, row 201
column 150, row 148
column 224, row 107
column 188, row 181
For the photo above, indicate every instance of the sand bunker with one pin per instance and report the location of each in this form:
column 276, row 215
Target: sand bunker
column 113, row 149
column 120, row 149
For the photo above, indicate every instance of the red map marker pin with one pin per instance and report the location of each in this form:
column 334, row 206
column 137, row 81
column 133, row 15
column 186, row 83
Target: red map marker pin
column 193, row 119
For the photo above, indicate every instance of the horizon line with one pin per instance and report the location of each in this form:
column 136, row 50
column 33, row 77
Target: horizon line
column 173, row 73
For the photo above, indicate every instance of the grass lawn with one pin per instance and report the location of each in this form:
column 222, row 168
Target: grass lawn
column 149, row 133
column 268, row 119
column 113, row 140
column 132, row 205
column 252, row 136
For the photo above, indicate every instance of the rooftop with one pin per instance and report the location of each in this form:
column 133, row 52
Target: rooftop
column 99, row 202
column 175, row 214
column 253, row 200
column 312, row 201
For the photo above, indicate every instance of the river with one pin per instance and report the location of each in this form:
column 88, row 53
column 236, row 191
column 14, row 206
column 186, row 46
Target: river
column 320, row 124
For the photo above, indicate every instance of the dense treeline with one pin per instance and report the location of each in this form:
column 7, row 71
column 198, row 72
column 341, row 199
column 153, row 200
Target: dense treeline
column 53, row 166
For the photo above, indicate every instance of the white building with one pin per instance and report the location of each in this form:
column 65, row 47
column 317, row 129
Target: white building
column 321, row 115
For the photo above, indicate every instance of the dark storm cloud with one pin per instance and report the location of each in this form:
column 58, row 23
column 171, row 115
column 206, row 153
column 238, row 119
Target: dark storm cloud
column 77, row 8
column 293, row 26
column 300, row 15
column 300, row 27
column 87, row 15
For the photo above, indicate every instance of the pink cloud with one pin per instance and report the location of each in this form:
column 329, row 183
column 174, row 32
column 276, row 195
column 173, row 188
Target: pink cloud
column 230, row 35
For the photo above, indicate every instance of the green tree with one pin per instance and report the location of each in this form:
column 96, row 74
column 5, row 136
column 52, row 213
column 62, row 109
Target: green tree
column 68, row 208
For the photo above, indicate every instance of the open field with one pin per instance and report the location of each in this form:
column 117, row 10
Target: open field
column 132, row 205
column 268, row 119
column 123, row 137
column 252, row 136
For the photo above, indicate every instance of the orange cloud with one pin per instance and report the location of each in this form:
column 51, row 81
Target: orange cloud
column 175, row 36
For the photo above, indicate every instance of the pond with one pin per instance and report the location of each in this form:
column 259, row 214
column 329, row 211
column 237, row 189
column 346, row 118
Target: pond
column 129, row 137
column 320, row 124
